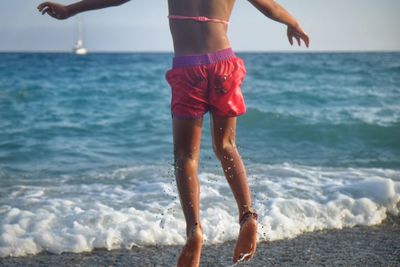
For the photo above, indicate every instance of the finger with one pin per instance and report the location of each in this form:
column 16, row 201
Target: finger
column 46, row 10
column 41, row 8
column 42, row 5
column 306, row 40
column 290, row 38
column 298, row 40
column 50, row 12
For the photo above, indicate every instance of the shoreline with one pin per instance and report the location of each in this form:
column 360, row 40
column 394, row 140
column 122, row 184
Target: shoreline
column 377, row 245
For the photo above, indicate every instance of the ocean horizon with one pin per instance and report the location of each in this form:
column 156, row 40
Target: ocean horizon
column 308, row 51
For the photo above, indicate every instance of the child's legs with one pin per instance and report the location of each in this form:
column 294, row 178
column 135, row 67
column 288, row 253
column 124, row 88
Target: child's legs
column 187, row 137
column 223, row 131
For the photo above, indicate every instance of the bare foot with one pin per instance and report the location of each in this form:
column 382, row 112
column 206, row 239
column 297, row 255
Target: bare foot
column 247, row 241
column 190, row 255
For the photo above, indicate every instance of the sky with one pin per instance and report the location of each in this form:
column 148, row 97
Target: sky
column 142, row 25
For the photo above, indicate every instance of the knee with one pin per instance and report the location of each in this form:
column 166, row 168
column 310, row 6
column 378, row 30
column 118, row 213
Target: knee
column 224, row 149
column 185, row 160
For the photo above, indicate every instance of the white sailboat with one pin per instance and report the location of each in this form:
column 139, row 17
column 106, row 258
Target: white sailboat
column 79, row 48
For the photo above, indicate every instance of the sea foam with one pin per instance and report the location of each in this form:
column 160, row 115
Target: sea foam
column 139, row 206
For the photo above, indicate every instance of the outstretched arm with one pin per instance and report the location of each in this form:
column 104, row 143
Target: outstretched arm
column 59, row 11
column 274, row 11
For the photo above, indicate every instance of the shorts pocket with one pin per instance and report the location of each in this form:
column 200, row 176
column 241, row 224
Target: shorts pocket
column 230, row 75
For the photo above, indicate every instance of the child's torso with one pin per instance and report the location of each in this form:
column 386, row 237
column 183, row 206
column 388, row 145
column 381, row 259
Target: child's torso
column 199, row 36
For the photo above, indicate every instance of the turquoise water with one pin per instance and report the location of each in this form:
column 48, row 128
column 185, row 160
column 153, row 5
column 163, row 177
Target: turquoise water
column 63, row 114
column 93, row 133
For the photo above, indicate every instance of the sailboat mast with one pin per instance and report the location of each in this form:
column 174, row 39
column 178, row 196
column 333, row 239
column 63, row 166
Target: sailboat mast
column 80, row 29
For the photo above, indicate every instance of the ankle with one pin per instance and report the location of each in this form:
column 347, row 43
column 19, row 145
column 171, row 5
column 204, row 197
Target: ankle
column 246, row 215
column 194, row 230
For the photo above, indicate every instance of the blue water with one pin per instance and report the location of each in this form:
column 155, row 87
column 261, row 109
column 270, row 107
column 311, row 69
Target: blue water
column 70, row 125
column 61, row 113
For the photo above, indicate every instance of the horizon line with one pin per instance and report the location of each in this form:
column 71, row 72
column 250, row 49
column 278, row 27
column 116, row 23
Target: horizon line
column 171, row 52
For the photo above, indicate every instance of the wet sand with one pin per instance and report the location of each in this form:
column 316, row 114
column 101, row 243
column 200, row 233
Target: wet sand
column 358, row 246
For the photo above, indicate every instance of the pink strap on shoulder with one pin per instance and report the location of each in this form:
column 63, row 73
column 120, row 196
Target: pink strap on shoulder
column 199, row 19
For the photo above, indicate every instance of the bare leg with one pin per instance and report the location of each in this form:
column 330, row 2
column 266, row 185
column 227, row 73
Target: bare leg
column 187, row 137
column 224, row 131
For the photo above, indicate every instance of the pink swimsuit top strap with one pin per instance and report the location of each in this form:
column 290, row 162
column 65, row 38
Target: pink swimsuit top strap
column 199, row 19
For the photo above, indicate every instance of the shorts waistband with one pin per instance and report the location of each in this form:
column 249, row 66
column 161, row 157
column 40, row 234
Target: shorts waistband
column 205, row 59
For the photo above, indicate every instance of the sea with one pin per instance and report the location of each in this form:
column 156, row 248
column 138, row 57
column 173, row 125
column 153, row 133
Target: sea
column 86, row 157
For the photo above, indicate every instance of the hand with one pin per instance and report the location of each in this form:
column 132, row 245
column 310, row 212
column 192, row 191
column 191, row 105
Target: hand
column 55, row 10
column 299, row 34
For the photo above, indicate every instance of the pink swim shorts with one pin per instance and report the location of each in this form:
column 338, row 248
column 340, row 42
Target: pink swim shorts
column 209, row 82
